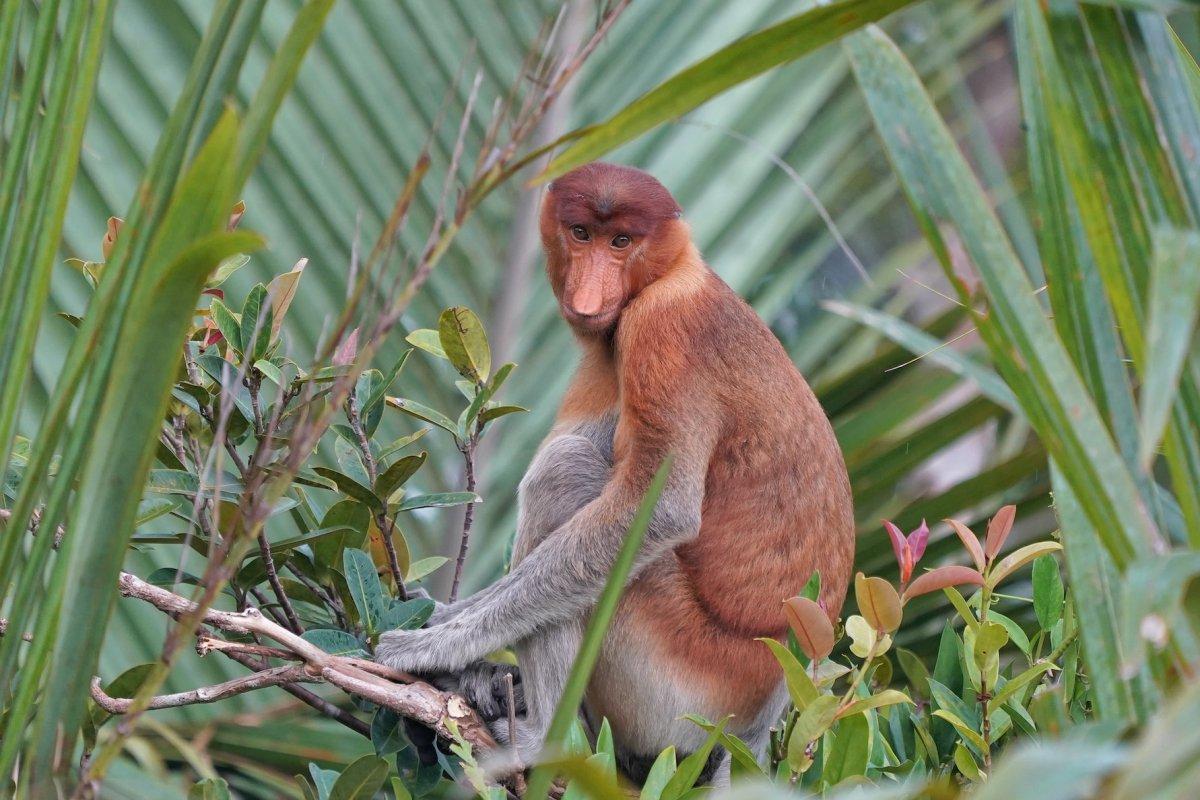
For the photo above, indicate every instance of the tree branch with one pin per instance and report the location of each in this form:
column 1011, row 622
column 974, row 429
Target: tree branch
column 320, row 704
column 273, row 676
column 415, row 699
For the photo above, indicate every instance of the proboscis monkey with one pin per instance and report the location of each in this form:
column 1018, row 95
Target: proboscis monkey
column 673, row 362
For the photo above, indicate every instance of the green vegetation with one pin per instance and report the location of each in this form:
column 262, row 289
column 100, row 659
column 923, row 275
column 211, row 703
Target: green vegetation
column 207, row 430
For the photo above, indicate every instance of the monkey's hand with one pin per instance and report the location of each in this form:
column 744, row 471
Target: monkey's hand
column 482, row 685
column 441, row 648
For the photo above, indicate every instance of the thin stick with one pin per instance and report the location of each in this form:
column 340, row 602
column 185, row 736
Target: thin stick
column 273, row 676
column 264, row 549
column 468, row 451
column 510, row 696
column 320, row 704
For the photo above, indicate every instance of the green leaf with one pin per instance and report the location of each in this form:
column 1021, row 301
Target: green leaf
column 334, row 641
column 226, row 268
column 285, row 546
column 1019, row 558
column 365, row 589
column 1172, row 311
column 744, row 762
column 270, row 370
column 438, row 500
column 884, row 697
column 966, row 762
column 379, row 389
column 747, row 57
column 351, row 488
column 407, row 615
column 402, row 442
column 1048, row 594
column 690, row 768
column 423, row 567
column 465, row 343
column 850, row 752
column 964, row 730
column 811, row 725
column 399, row 791
column 659, row 775
column 428, row 340
column 495, row 412
column 423, row 413
column 929, row 348
column 800, row 686
column 256, row 324
column 227, row 323
column 1018, row 682
column 209, row 789
column 323, row 780
column 361, row 780
column 398, row 474
column 347, row 514
column 153, row 508
column 387, row 732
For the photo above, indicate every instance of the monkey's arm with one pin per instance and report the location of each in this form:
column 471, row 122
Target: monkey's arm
column 563, row 576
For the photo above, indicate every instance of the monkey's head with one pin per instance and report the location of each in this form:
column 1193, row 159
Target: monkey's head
column 609, row 231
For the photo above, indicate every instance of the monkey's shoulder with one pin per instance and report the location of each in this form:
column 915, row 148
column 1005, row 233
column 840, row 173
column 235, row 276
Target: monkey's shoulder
column 708, row 331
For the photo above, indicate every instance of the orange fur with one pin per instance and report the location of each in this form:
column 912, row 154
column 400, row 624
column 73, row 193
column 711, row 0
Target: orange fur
column 691, row 370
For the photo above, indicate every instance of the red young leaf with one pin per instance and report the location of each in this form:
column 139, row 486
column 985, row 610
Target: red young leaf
column 940, row 578
column 917, row 541
column 970, row 541
column 899, row 543
column 347, row 350
column 811, row 625
column 998, row 530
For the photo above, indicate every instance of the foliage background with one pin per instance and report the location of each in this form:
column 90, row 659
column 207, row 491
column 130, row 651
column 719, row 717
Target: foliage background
column 919, row 440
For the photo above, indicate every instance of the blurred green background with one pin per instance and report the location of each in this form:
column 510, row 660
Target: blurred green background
column 782, row 179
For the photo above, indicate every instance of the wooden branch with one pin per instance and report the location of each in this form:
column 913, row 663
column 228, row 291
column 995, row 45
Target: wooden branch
column 413, row 699
column 274, row 676
column 312, row 699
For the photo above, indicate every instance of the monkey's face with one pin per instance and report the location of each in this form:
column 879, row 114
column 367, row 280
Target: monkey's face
column 608, row 232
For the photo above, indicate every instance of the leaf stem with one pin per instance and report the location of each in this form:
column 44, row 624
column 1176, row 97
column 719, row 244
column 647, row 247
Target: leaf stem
column 468, row 451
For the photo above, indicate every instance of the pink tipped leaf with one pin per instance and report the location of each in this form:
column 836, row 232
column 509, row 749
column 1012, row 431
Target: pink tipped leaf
column 917, row 540
column 941, row 578
column 970, row 541
column 999, row 529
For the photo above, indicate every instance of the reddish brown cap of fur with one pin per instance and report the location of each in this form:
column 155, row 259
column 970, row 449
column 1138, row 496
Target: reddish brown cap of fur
column 612, row 196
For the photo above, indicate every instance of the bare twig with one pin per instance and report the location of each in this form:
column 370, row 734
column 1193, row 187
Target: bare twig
column 264, row 549
column 273, row 676
column 468, row 452
column 315, row 701
column 511, row 698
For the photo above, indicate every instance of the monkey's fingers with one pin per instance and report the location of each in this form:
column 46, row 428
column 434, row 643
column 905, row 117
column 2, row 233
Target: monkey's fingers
column 482, row 685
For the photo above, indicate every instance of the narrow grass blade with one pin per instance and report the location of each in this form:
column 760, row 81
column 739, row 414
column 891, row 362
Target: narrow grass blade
column 593, row 637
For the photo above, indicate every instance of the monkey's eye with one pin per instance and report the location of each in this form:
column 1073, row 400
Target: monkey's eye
column 621, row 241
column 580, row 233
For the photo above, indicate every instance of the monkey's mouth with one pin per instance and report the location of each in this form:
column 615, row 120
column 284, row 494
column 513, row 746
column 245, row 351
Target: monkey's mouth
column 600, row 322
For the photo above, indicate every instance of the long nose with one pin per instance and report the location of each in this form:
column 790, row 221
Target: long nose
column 588, row 298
